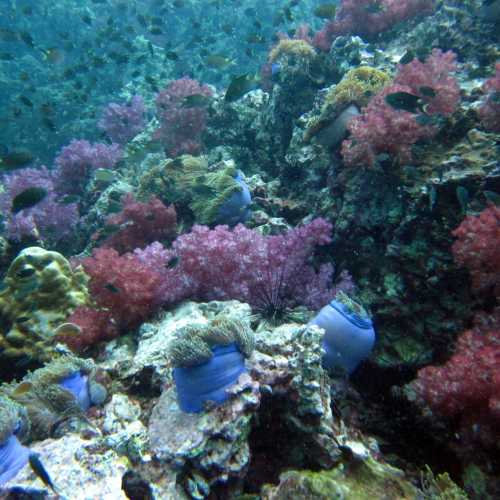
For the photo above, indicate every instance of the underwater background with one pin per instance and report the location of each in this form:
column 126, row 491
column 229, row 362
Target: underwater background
column 250, row 250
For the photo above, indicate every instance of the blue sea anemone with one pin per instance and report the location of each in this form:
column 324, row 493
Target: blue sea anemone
column 207, row 382
column 349, row 334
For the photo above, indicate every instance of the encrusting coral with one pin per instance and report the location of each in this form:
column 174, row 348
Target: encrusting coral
column 41, row 290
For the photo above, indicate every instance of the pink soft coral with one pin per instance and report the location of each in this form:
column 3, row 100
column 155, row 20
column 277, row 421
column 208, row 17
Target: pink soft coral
column 382, row 129
column 489, row 112
column 271, row 273
column 181, row 127
column 434, row 73
column 478, row 248
column 141, row 224
column 367, row 18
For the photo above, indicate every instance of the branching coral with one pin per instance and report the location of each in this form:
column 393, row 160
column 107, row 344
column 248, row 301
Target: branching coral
column 122, row 286
column 78, row 159
column 270, row 273
column 468, row 385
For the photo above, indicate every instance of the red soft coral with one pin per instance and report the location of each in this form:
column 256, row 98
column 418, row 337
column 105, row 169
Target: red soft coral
column 123, row 285
column 468, row 385
column 141, row 224
column 489, row 112
column 95, row 326
column 478, row 248
column 433, row 74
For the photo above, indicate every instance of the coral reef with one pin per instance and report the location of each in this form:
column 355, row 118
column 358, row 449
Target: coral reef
column 123, row 287
column 216, row 194
column 478, row 248
column 369, row 17
column 41, row 290
column 342, row 102
column 364, row 480
column 466, row 386
column 288, row 365
column 13, row 425
column 349, row 333
column 208, row 360
column 270, row 273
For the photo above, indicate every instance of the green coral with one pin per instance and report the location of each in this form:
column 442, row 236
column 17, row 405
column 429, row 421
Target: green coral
column 356, row 87
column 41, row 291
column 363, row 481
column 440, row 487
column 192, row 344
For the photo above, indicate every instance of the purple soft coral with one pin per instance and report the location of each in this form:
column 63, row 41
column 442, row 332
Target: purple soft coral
column 271, row 273
column 181, row 127
column 49, row 220
column 123, row 122
column 78, row 159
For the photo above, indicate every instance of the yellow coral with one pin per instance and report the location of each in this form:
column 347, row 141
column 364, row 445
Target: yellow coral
column 41, row 290
column 357, row 86
column 290, row 47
